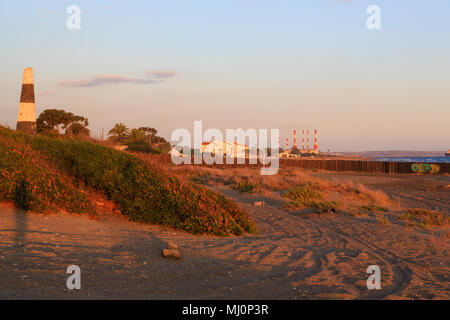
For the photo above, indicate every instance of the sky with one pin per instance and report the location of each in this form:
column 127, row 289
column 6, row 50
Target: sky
column 284, row 64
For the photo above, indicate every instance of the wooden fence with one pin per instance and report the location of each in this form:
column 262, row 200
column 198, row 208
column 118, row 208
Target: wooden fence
column 367, row 166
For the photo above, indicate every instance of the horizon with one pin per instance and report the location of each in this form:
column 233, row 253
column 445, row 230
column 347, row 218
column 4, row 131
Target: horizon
column 285, row 65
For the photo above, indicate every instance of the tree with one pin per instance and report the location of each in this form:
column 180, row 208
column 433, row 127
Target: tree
column 149, row 132
column 77, row 130
column 139, row 141
column 143, row 139
column 155, row 140
column 59, row 122
column 137, row 135
column 119, row 133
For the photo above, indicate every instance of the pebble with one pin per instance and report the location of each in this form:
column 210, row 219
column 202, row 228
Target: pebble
column 171, row 254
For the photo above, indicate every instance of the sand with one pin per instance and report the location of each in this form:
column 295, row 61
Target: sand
column 296, row 255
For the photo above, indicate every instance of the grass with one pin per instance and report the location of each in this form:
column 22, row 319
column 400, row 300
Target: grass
column 246, row 186
column 309, row 196
column 299, row 188
column 142, row 191
column 373, row 208
column 383, row 220
column 31, row 182
column 425, row 218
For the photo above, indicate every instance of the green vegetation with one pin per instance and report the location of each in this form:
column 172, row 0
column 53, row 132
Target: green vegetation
column 59, row 122
column 141, row 191
column 142, row 147
column 144, row 139
column 373, row 208
column 30, row 181
column 246, row 186
column 424, row 218
column 119, row 133
column 309, row 196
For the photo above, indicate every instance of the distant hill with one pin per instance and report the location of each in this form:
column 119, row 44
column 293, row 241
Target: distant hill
column 395, row 153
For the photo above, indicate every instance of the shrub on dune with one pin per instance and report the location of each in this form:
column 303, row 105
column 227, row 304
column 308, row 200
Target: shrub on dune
column 28, row 180
column 141, row 191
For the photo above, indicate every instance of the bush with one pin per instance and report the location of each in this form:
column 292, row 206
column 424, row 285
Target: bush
column 309, row 196
column 32, row 183
column 246, row 186
column 142, row 146
column 140, row 190
column 423, row 218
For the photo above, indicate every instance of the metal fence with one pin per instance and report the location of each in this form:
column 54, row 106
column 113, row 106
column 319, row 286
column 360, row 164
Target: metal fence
column 367, row 166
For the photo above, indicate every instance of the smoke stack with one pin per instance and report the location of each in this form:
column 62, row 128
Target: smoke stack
column 26, row 120
column 287, row 144
column 303, row 139
column 307, row 139
column 295, row 140
column 316, row 146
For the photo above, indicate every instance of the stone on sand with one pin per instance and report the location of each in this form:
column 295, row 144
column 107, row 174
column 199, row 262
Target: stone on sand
column 171, row 254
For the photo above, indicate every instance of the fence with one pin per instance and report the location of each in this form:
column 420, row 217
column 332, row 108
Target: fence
column 366, row 166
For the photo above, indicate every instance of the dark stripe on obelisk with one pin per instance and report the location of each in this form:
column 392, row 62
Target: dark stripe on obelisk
column 26, row 127
column 27, row 93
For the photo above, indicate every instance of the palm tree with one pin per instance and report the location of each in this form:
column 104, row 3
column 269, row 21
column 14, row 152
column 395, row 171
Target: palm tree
column 119, row 133
column 137, row 135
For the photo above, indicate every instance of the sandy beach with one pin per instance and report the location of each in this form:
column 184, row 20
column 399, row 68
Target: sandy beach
column 296, row 255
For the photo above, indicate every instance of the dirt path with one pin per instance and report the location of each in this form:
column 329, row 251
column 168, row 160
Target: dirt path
column 296, row 255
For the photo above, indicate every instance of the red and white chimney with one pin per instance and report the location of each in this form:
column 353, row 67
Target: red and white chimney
column 303, row 139
column 287, row 144
column 295, row 140
column 307, row 139
column 316, row 146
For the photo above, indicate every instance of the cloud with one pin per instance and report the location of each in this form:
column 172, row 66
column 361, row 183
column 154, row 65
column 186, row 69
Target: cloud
column 150, row 78
column 162, row 74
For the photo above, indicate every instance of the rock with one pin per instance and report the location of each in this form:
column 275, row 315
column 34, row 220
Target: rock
column 171, row 254
column 172, row 245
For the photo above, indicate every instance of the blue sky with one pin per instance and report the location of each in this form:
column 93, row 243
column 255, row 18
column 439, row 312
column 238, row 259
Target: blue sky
column 239, row 63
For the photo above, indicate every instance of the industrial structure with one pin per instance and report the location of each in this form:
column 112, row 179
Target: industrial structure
column 295, row 152
column 241, row 150
column 307, row 139
column 303, row 139
column 295, row 140
column 26, row 119
column 316, row 145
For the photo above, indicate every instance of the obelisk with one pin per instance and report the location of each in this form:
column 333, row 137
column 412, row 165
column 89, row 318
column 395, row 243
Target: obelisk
column 26, row 120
